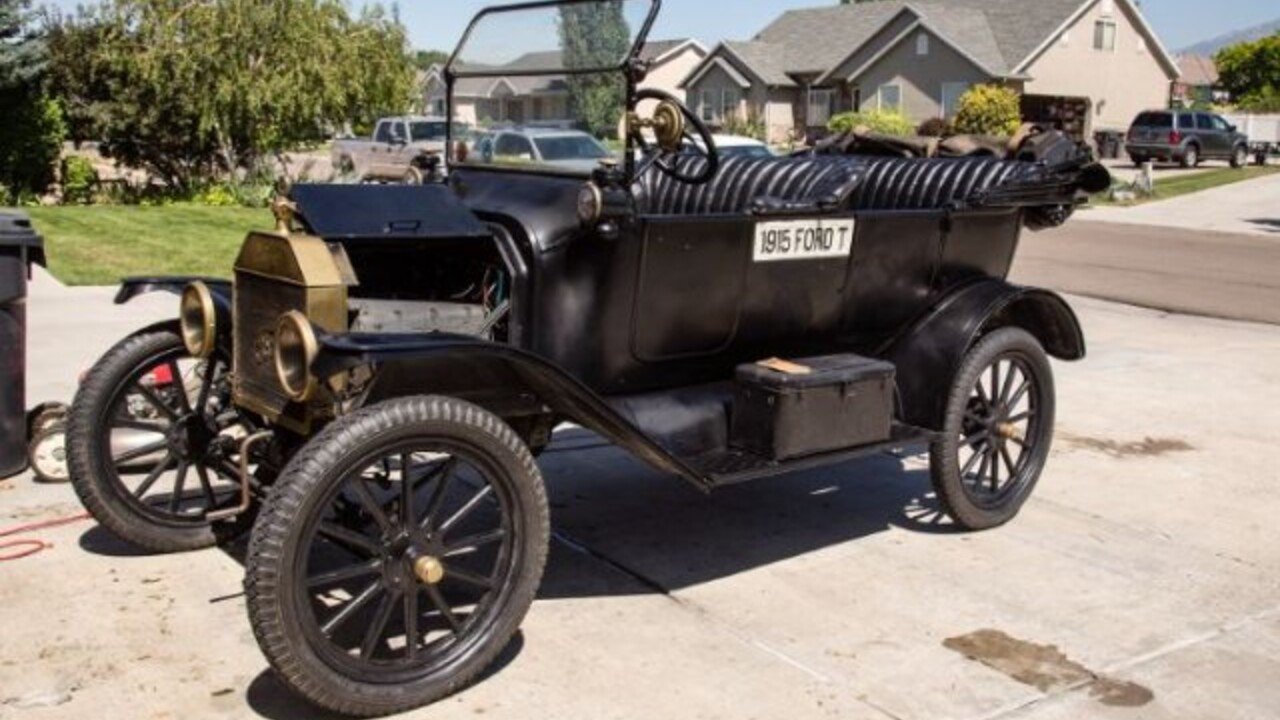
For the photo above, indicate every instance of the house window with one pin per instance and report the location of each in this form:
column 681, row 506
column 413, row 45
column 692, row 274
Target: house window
column 922, row 44
column 729, row 102
column 951, row 94
column 1104, row 35
column 708, row 105
column 819, row 106
column 889, row 97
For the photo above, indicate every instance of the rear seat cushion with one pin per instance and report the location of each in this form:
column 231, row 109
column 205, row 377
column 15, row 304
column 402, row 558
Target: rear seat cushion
column 851, row 182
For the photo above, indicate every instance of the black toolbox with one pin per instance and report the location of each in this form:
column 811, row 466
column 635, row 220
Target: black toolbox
column 790, row 409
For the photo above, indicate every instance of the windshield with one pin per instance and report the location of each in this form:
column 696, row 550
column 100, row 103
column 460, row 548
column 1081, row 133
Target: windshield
column 553, row 69
column 578, row 147
column 572, row 35
column 429, row 131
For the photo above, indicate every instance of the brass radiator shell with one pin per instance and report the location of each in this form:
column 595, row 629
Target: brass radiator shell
column 276, row 273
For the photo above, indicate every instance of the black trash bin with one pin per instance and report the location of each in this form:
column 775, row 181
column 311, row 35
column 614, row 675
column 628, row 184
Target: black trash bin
column 20, row 246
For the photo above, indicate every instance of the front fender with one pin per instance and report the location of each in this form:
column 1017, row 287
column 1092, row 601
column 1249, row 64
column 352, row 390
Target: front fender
column 132, row 288
column 491, row 375
column 929, row 354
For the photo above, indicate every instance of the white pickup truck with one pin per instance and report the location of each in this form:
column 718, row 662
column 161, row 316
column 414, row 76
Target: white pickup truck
column 398, row 152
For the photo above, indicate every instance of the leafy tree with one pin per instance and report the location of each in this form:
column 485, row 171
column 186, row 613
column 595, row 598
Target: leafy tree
column 32, row 124
column 989, row 110
column 195, row 91
column 1250, row 71
column 595, row 35
column 22, row 52
column 425, row 59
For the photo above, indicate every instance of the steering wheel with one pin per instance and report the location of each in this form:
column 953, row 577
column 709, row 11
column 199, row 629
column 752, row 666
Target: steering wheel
column 680, row 134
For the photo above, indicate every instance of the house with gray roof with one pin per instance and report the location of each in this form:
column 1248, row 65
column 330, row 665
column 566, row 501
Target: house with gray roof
column 1083, row 65
column 543, row 100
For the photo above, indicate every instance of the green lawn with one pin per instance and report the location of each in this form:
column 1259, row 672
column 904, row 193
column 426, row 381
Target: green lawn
column 1167, row 188
column 102, row 244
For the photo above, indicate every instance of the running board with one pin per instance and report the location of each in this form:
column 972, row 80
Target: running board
column 720, row 468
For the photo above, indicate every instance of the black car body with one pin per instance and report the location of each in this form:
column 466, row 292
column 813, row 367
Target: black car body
column 395, row 356
column 1185, row 137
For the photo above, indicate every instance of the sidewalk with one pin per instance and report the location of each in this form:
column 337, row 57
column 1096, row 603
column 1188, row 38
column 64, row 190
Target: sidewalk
column 1251, row 207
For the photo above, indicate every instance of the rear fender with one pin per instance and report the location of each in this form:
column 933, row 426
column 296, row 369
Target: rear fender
column 929, row 354
column 500, row 378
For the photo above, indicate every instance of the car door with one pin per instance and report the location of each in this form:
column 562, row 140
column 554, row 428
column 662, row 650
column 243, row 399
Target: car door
column 1225, row 133
column 1210, row 139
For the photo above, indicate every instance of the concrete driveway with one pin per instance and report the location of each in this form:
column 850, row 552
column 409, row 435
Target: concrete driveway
column 1251, row 207
column 1140, row 582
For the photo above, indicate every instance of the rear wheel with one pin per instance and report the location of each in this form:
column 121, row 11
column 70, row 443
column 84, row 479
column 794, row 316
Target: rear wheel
column 1191, row 157
column 998, row 431
column 150, row 440
column 397, row 555
column 1138, row 160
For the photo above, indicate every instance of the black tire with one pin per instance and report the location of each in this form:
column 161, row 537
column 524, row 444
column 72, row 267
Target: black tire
column 1191, row 156
column 988, row 430
column 94, row 472
column 1137, row 160
column 1239, row 157
column 294, row 532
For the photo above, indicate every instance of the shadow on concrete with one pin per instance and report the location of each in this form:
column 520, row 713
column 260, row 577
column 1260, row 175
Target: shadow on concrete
column 620, row 528
column 1270, row 224
column 98, row 540
column 269, row 698
column 669, row 536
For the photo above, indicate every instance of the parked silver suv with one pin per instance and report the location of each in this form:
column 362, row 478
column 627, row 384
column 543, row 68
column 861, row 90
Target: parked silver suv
column 1186, row 137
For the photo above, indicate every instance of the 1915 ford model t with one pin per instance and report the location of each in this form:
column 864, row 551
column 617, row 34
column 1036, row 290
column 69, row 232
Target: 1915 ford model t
column 373, row 387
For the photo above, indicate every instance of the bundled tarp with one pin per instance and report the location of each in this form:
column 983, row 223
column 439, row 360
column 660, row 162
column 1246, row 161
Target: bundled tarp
column 1032, row 143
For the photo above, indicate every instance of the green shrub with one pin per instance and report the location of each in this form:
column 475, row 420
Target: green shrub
column 251, row 195
column 750, row 126
column 989, row 110
column 79, row 181
column 882, row 122
column 30, row 144
column 934, row 127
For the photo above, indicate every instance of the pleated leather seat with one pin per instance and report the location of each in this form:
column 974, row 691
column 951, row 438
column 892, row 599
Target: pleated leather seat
column 840, row 182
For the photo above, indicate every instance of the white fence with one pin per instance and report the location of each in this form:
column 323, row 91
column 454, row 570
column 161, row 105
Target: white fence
column 1259, row 128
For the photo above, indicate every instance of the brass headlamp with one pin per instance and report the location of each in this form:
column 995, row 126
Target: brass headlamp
column 198, row 317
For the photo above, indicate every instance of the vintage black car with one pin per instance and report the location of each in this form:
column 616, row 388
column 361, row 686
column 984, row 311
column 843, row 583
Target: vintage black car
column 371, row 391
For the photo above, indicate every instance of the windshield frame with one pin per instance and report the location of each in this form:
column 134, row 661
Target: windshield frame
column 451, row 72
column 627, row 68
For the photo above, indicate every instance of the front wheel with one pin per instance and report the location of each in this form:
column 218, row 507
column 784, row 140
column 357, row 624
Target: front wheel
column 151, row 443
column 998, row 431
column 1240, row 157
column 397, row 555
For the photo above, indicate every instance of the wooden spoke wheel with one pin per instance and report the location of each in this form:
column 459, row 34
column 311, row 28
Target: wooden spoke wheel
column 397, row 555
column 998, row 431
column 152, row 439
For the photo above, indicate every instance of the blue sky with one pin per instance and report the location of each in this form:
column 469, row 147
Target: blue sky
column 438, row 23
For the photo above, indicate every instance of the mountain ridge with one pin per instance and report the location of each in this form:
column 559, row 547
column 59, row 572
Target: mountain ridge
column 1213, row 45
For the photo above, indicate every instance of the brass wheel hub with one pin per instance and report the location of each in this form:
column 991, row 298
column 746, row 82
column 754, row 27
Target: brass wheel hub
column 428, row 570
column 1007, row 431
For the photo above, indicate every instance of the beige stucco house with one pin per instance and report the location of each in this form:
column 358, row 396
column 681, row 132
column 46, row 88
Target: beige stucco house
column 543, row 100
column 1085, row 65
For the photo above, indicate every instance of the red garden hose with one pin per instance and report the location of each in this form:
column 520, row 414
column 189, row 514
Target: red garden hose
column 25, row 548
